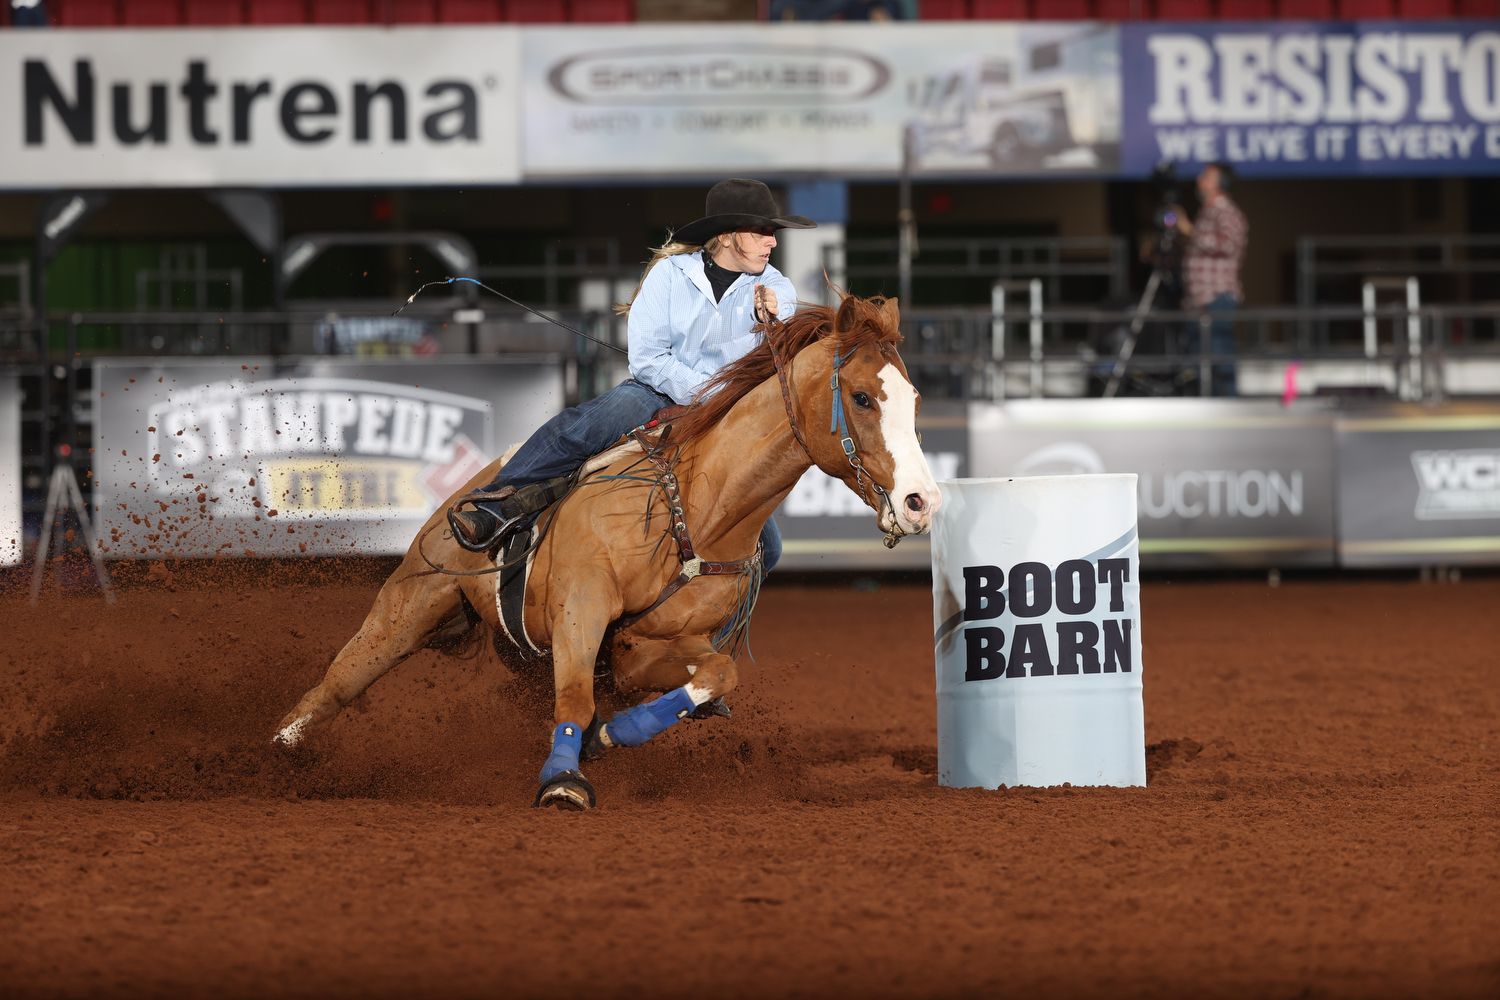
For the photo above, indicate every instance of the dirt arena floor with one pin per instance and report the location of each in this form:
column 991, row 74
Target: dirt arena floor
column 1321, row 818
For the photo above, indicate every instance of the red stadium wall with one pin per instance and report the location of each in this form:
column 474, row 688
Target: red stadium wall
column 157, row 13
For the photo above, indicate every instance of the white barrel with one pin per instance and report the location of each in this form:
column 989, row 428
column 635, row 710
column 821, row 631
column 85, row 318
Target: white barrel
column 1037, row 618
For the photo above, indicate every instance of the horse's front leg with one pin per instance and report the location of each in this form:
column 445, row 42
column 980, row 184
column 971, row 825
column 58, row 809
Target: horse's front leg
column 689, row 669
column 577, row 629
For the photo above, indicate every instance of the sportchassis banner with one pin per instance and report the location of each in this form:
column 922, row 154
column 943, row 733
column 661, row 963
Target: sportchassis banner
column 1303, row 97
column 983, row 97
column 258, row 107
column 250, row 457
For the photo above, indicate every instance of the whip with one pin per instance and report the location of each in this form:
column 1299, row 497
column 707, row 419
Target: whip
column 496, row 292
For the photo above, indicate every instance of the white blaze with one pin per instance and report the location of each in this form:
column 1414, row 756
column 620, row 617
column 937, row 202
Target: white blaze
column 898, row 428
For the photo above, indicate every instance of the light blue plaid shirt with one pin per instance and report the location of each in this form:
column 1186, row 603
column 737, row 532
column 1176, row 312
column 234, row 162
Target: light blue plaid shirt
column 679, row 337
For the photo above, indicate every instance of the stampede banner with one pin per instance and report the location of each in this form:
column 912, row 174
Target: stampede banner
column 240, row 458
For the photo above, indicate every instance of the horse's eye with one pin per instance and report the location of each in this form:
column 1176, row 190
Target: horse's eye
column 862, row 401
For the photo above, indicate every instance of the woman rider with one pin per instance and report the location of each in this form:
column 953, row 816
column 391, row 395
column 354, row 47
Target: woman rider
column 689, row 317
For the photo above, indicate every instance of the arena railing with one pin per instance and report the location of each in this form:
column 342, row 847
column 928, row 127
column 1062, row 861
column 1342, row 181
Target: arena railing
column 953, row 353
column 1073, row 269
column 1448, row 265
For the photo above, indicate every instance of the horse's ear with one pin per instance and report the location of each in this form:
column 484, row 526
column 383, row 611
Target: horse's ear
column 848, row 314
column 891, row 310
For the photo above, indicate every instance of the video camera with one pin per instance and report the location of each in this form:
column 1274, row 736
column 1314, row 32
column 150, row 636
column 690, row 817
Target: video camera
column 1168, row 204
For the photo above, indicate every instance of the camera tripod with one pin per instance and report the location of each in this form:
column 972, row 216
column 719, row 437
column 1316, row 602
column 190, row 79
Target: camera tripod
column 1137, row 322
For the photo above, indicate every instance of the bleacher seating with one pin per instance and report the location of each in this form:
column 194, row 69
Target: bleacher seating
column 600, row 11
column 213, row 12
column 470, row 11
column 88, row 13
column 1062, row 10
column 341, row 12
column 537, row 11
column 1417, row 9
column 276, row 12
column 411, row 11
column 995, row 10
column 149, row 13
column 1246, row 10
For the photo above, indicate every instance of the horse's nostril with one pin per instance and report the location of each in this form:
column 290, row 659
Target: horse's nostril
column 915, row 503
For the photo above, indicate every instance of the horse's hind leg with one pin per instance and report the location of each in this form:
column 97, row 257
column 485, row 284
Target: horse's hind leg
column 408, row 614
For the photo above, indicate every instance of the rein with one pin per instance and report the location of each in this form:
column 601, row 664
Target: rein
column 839, row 425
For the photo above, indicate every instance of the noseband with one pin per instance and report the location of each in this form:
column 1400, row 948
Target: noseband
column 839, row 425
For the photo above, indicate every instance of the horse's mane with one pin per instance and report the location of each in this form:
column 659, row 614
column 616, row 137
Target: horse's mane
column 864, row 321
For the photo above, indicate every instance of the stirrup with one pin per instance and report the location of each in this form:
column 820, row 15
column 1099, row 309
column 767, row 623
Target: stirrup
column 501, row 532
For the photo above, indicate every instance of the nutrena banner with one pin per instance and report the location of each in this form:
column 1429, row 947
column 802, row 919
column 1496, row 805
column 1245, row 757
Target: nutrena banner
column 1290, row 97
column 262, row 107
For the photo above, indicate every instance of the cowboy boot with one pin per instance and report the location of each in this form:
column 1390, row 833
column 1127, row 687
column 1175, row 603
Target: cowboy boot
column 496, row 515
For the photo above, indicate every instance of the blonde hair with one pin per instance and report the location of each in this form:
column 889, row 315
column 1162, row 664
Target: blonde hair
column 672, row 248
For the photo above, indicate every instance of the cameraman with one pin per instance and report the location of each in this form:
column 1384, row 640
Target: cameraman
column 1211, row 267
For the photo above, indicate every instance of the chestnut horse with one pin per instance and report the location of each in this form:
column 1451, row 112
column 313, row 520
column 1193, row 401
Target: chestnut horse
column 659, row 602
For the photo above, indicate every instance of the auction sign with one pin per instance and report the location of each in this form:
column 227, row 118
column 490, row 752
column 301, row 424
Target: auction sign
column 250, row 457
column 262, row 107
column 1220, row 483
column 1300, row 97
column 1420, row 487
column 980, row 97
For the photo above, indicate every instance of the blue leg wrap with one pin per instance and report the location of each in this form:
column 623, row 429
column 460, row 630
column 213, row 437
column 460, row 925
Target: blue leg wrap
column 567, row 741
column 635, row 726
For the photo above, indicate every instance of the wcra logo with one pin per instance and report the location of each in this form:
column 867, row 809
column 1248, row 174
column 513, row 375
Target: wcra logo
column 1457, row 484
column 1082, row 643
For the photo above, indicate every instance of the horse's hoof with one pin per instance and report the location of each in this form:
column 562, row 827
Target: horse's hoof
column 715, row 709
column 569, row 790
column 593, row 746
column 290, row 736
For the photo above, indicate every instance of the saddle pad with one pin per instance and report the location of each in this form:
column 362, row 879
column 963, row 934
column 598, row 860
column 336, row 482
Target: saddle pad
column 510, row 593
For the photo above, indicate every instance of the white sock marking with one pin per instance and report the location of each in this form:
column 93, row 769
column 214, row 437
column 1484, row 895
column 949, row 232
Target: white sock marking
column 291, row 733
column 699, row 696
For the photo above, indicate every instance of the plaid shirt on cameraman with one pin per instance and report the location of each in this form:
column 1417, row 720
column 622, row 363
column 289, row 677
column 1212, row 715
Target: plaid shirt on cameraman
column 1211, row 264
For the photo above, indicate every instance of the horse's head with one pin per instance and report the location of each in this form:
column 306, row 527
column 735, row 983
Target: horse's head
column 857, row 411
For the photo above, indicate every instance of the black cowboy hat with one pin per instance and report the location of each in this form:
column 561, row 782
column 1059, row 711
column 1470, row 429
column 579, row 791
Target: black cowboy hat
column 739, row 203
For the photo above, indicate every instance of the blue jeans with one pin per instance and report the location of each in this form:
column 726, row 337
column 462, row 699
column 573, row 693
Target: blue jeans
column 1221, row 344
column 580, row 432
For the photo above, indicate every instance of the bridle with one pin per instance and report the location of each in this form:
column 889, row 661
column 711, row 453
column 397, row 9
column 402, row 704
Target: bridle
column 838, row 424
